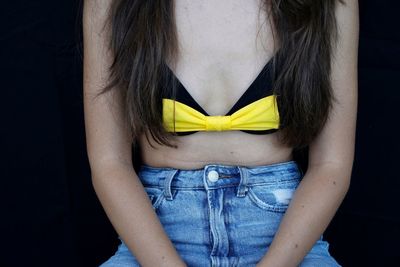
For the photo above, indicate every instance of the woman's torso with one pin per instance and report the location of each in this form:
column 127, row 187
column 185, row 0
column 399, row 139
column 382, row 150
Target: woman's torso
column 219, row 58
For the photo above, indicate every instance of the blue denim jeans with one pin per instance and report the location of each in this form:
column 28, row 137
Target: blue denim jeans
column 222, row 215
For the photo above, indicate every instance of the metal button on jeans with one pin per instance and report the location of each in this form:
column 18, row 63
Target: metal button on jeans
column 213, row 176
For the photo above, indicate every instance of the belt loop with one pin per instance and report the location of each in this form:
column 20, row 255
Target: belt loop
column 242, row 187
column 167, row 184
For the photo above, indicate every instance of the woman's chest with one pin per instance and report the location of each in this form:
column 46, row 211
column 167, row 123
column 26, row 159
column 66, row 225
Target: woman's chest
column 223, row 45
column 220, row 27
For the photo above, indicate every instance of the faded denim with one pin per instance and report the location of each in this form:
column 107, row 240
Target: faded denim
column 222, row 215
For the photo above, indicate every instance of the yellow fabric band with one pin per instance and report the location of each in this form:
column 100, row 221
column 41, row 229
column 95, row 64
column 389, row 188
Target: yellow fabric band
column 260, row 115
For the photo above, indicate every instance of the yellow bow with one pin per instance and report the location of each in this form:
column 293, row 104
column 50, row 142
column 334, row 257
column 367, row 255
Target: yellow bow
column 260, row 115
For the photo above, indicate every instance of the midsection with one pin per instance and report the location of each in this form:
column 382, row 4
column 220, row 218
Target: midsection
column 219, row 58
column 226, row 147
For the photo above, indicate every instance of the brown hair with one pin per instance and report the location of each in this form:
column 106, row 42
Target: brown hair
column 143, row 36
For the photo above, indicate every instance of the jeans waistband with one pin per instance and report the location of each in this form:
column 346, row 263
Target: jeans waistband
column 212, row 176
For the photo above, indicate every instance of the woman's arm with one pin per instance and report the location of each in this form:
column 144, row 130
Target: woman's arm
column 331, row 156
column 116, row 184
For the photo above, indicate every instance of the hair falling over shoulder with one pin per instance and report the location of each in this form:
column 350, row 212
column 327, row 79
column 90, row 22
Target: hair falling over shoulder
column 143, row 35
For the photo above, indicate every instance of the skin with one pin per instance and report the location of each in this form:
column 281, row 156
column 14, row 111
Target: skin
column 227, row 58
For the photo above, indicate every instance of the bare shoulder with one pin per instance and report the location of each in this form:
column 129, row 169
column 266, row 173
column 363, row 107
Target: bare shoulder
column 107, row 137
column 334, row 146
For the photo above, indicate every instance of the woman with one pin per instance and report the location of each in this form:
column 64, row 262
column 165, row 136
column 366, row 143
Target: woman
column 218, row 95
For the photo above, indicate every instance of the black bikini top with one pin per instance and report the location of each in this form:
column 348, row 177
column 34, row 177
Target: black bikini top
column 255, row 112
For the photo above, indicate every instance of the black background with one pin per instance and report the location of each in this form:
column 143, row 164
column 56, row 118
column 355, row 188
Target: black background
column 50, row 215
